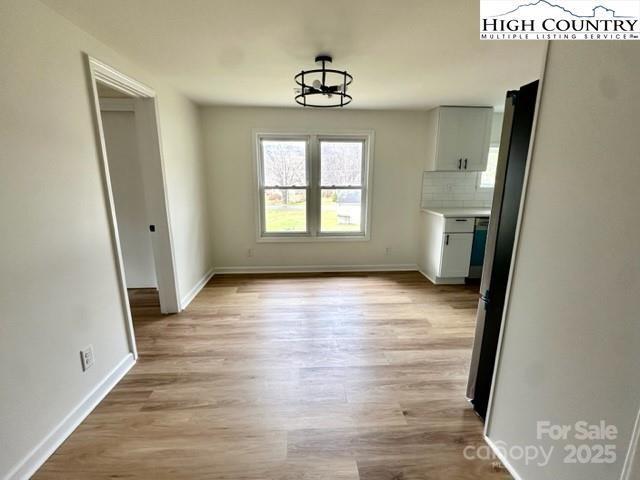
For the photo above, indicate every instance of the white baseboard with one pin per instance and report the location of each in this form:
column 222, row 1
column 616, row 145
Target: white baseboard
column 319, row 269
column 191, row 294
column 443, row 281
column 36, row 458
column 503, row 459
column 426, row 275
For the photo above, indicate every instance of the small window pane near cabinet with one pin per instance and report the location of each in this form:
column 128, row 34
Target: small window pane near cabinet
column 487, row 179
column 458, row 138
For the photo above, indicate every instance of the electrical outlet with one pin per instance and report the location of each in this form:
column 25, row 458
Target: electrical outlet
column 387, row 251
column 249, row 252
column 86, row 356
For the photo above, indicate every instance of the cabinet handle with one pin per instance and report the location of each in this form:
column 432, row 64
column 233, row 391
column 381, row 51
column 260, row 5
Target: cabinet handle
column 461, row 219
column 459, row 164
column 465, row 163
column 446, row 241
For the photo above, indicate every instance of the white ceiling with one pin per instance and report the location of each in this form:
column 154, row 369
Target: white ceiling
column 402, row 53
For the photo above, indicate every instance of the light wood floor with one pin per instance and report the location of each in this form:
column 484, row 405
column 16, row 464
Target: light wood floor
column 291, row 377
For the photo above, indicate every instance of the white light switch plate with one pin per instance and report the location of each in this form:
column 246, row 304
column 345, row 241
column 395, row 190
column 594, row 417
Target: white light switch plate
column 87, row 358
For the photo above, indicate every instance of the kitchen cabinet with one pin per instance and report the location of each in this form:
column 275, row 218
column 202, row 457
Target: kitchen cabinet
column 456, row 255
column 446, row 241
column 458, row 138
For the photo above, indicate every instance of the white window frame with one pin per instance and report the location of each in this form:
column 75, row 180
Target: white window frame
column 313, row 138
column 479, row 185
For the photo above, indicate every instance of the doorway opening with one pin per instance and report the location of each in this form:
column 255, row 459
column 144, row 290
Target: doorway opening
column 127, row 133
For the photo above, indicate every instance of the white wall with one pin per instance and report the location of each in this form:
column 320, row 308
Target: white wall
column 58, row 279
column 185, row 174
column 570, row 345
column 128, row 195
column 397, row 162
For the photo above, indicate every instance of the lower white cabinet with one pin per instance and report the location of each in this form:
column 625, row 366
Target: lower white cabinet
column 445, row 247
column 456, row 255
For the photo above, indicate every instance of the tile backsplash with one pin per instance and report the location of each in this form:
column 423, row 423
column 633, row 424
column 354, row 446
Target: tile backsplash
column 454, row 189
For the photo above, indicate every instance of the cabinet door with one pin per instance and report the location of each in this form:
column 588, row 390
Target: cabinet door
column 476, row 148
column 452, row 123
column 463, row 133
column 456, row 254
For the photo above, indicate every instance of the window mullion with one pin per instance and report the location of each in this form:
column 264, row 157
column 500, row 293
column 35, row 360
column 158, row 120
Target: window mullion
column 314, row 190
column 363, row 208
column 263, row 225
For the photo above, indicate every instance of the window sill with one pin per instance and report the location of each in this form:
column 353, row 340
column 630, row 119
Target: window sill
column 317, row 239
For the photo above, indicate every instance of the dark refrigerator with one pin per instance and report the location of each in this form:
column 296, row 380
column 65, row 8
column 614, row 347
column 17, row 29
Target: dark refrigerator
column 519, row 113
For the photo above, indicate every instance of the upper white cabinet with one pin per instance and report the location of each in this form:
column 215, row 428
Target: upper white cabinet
column 458, row 138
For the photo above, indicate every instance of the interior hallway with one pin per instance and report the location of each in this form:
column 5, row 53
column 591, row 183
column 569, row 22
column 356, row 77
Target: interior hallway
column 314, row 376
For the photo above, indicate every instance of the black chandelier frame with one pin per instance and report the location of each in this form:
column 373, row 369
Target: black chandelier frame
column 309, row 90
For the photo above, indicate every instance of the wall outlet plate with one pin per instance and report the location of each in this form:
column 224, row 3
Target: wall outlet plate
column 87, row 358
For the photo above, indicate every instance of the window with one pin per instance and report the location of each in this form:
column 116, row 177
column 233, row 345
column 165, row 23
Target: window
column 286, row 188
column 487, row 179
column 313, row 187
column 341, row 185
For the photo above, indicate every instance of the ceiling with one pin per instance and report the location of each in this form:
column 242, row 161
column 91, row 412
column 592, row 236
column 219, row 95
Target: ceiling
column 402, row 53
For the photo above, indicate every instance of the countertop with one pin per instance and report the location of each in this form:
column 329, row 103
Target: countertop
column 459, row 212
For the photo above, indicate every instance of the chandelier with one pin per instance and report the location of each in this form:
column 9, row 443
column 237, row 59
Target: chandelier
column 323, row 87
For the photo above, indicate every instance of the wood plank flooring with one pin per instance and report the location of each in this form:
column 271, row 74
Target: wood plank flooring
column 287, row 377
